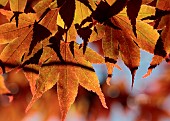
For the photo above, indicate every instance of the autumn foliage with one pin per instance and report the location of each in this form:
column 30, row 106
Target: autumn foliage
column 39, row 50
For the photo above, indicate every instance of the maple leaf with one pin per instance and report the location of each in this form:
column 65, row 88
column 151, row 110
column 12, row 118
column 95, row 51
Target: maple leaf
column 162, row 49
column 23, row 41
column 14, row 41
column 32, row 34
column 68, row 74
column 32, row 70
column 130, row 55
column 126, row 39
column 112, row 42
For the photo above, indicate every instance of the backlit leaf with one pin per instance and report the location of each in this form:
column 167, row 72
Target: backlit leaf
column 144, row 40
column 126, row 39
column 130, row 55
column 156, row 60
column 162, row 48
column 110, row 47
column 104, row 11
column 73, row 70
column 42, row 87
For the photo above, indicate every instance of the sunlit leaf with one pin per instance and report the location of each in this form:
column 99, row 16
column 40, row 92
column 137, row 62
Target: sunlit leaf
column 73, row 70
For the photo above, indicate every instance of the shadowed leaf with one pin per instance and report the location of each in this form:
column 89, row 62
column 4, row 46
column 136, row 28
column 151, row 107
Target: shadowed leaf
column 104, row 11
column 133, row 7
column 130, row 55
column 159, row 48
column 2, row 67
column 84, row 33
column 60, row 2
column 39, row 34
column 100, row 14
column 44, row 14
column 162, row 48
column 16, row 16
column 29, row 8
column 55, row 42
column 34, row 59
column 67, row 12
column 49, row 21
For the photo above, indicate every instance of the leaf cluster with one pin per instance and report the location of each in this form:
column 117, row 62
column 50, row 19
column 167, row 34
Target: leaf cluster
column 40, row 38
